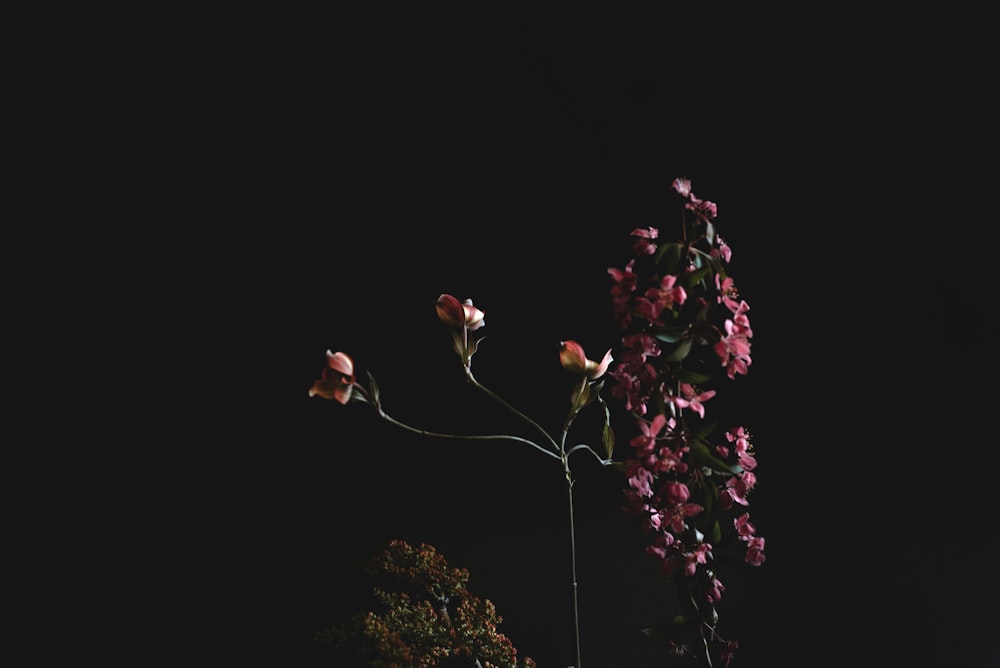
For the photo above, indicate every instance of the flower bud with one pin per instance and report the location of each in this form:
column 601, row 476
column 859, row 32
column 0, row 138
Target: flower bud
column 573, row 359
column 459, row 314
column 677, row 492
column 337, row 381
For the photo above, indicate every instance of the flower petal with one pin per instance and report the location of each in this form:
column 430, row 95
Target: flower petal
column 340, row 362
column 450, row 311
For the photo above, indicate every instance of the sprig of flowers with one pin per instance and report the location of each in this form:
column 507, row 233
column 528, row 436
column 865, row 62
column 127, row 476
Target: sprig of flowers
column 684, row 327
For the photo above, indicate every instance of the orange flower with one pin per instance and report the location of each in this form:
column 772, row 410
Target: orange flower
column 574, row 360
column 338, row 378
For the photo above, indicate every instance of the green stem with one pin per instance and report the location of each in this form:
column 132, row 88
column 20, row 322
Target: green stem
column 572, row 546
column 477, row 437
column 513, row 410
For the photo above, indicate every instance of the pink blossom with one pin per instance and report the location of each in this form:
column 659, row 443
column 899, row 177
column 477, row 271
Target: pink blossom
column 738, row 486
column 743, row 526
column 729, row 652
column 713, row 591
column 721, row 251
column 677, row 508
column 337, row 380
column 621, row 292
column 459, row 314
column 698, row 556
column 658, row 299
column 640, row 482
column 573, row 359
column 728, row 294
column 682, row 186
column 646, row 441
column 692, row 399
column 733, row 349
column 670, row 460
column 755, row 551
column 630, row 389
column 703, row 208
column 642, row 240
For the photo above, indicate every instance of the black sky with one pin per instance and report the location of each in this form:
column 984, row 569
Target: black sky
column 355, row 179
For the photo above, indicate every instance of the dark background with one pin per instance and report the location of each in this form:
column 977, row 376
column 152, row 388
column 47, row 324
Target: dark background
column 337, row 183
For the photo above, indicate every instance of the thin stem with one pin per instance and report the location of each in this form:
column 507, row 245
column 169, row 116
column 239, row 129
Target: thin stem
column 478, row 437
column 706, row 651
column 572, row 545
column 513, row 410
column 584, row 446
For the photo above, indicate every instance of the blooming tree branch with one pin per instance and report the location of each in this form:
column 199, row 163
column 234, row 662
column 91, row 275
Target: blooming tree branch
column 685, row 327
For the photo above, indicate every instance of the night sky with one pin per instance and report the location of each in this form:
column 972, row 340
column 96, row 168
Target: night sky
column 360, row 178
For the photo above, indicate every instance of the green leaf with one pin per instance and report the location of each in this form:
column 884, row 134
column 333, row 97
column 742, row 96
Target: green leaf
column 715, row 532
column 619, row 466
column 702, row 456
column 373, row 388
column 669, row 334
column 697, row 275
column 693, row 377
column 669, row 256
column 474, row 345
column 706, row 428
column 680, row 352
column 705, row 332
column 608, row 434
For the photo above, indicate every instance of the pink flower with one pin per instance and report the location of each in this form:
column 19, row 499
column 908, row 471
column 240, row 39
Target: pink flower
column 658, row 299
column 691, row 398
column 738, row 486
column 703, row 208
column 640, row 481
column 729, row 652
column 459, row 314
column 733, row 349
column 677, row 509
column 625, row 284
column 728, row 294
column 741, row 438
column 743, row 526
column 755, row 551
column 682, row 186
column 646, row 441
column 692, row 559
column 337, row 379
column 642, row 240
column 574, row 360
column 714, row 590
column 721, row 251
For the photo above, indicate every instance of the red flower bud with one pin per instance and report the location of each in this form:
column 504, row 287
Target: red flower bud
column 458, row 314
column 574, row 360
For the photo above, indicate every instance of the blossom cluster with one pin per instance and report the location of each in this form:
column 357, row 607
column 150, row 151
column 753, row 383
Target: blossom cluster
column 685, row 326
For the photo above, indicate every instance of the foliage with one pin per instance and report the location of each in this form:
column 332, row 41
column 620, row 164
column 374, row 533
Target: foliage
column 428, row 617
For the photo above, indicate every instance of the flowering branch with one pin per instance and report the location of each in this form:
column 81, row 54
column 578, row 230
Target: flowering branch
column 684, row 326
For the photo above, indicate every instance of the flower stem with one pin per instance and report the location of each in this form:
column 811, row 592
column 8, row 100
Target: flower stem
column 465, row 437
column 513, row 410
column 572, row 546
